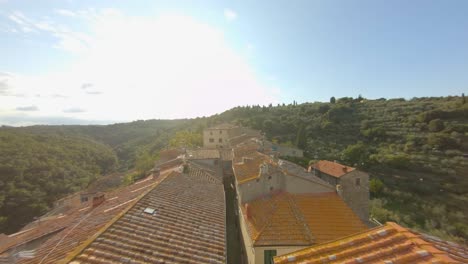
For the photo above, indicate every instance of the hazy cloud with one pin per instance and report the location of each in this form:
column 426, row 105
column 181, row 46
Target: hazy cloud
column 230, row 15
column 59, row 96
column 179, row 62
column 65, row 12
column 88, row 87
column 27, row 108
column 3, row 87
column 74, row 110
column 23, row 119
column 94, row 92
column 85, row 86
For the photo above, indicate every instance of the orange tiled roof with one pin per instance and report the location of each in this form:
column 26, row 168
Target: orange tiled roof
column 187, row 226
column 249, row 168
column 299, row 219
column 76, row 225
column 244, row 150
column 332, row 168
column 390, row 243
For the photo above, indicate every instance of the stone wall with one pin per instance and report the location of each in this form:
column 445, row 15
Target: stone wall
column 355, row 192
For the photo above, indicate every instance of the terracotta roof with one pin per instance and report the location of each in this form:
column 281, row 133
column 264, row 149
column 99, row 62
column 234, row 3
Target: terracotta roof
column 77, row 225
column 299, row 219
column 197, row 172
column 243, row 150
column 249, row 168
column 390, row 243
column 186, row 226
column 169, row 154
column 233, row 141
column 203, row 154
column 332, row 168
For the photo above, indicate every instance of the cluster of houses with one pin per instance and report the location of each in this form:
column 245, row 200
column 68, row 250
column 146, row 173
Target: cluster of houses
column 286, row 214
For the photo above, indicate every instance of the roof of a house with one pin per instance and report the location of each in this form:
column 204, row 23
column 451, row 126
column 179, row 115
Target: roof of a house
column 169, row 154
column 181, row 220
column 204, row 154
column 332, row 168
column 201, row 173
column 76, row 225
column 292, row 169
column 243, row 150
column 390, row 243
column 249, row 168
column 233, row 141
column 299, row 219
column 223, row 126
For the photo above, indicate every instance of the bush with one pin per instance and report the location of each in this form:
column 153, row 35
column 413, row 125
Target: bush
column 436, row 125
column 442, row 141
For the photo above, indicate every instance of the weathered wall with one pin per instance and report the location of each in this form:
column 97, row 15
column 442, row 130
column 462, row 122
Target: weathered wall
column 249, row 250
column 356, row 196
column 264, row 185
column 216, row 135
column 296, row 184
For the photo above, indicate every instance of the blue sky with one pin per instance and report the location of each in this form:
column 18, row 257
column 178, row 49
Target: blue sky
column 106, row 61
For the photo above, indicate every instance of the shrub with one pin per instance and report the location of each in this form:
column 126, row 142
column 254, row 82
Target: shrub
column 436, row 125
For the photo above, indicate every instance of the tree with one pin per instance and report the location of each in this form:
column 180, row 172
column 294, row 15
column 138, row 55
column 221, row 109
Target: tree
column 301, row 138
column 463, row 98
column 356, row 154
column 375, row 186
column 187, row 139
column 332, row 100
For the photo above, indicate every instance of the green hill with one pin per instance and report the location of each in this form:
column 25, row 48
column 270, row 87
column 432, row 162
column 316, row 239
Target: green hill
column 414, row 150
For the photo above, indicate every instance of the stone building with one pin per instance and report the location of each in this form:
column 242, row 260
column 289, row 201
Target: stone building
column 218, row 136
column 351, row 184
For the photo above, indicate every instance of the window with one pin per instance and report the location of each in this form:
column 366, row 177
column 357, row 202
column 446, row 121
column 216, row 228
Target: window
column 268, row 256
column 220, row 131
column 269, row 177
column 271, row 188
column 84, row 199
column 220, row 140
column 211, row 140
column 257, row 180
column 358, row 181
column 211, row 133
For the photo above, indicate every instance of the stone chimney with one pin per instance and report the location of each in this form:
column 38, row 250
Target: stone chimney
column 98, row 199
column 248, row 211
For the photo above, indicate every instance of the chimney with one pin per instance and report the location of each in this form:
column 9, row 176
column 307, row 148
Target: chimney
column 246, row 160
column 339, row 190
column 98, row 199
column 345, row 169
column 248, row 211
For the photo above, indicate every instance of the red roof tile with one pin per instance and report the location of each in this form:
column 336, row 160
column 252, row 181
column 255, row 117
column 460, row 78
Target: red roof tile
column 390, row 243
column 187, row 226
column 332, row 168
column 249, row 168
column 299, row 219
column 76, row 225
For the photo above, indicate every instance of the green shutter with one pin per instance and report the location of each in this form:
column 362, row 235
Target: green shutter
column 268, row 256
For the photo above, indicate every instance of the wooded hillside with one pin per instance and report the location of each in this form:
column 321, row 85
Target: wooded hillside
column 413, row 149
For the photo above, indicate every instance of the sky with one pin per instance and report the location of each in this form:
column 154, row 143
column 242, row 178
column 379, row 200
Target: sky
column 101, row 62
